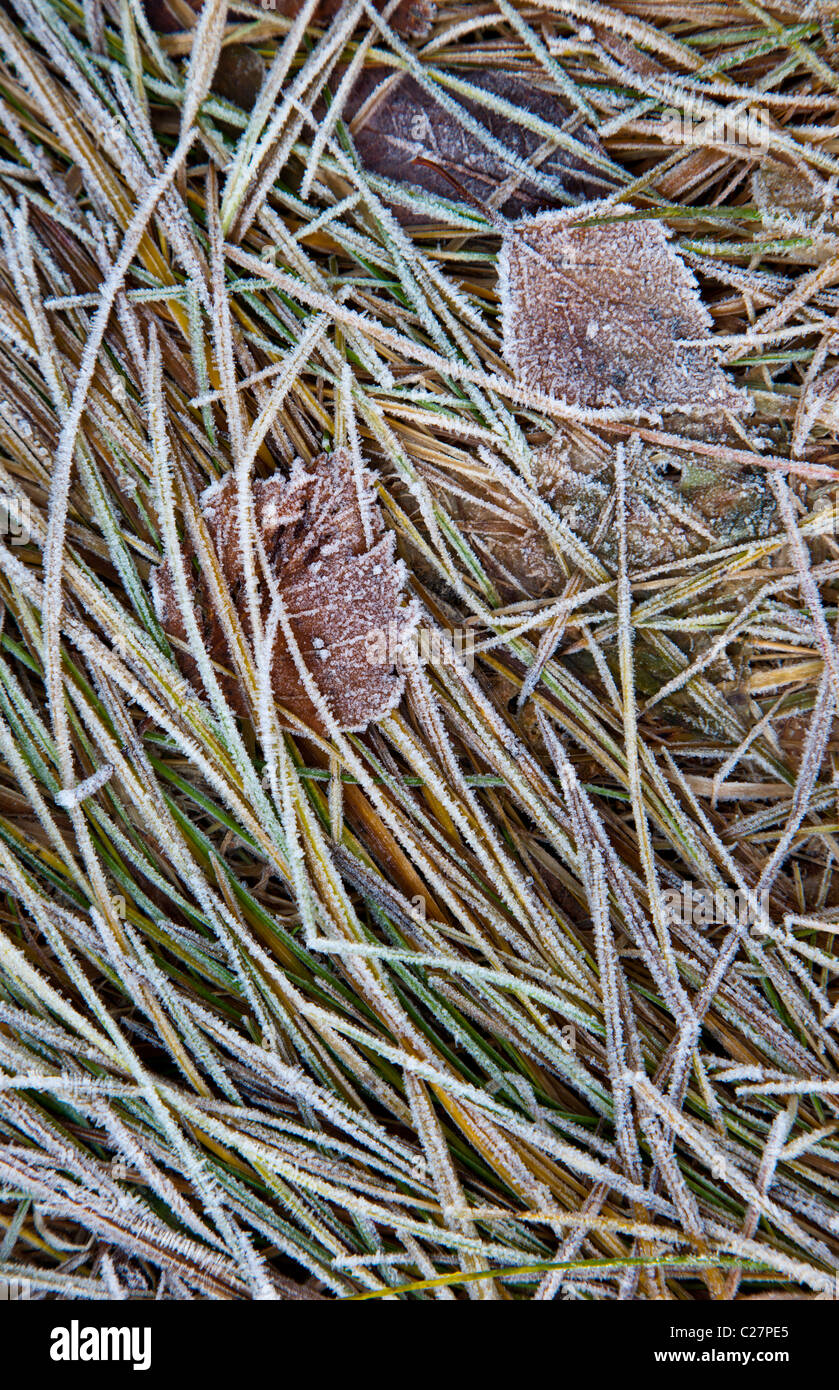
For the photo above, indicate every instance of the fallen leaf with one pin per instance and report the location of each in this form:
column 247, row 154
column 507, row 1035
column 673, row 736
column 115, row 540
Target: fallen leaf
column 693, row 168
column 627, row 53
column 394, row 121
column 673, row 508
column 515, row 554
column 165, row 18
column 609, row 316
column 341, row 585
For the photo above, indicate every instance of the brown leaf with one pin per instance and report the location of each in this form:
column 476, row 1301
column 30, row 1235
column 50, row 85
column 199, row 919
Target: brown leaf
column 169, row 18
column 399, row 122
column 609, row 316
column 674, row 509
column 515, row 554
column 341, row 586
column 694, row 167
column 627, row 53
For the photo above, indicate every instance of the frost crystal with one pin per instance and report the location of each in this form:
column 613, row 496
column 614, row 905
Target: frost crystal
column 400, row 122
column 608, row 315
column 342, row 596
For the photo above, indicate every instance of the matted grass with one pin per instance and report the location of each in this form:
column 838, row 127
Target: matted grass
column 407, row 1012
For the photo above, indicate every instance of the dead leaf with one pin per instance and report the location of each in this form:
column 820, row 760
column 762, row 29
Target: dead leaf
column 609, row 316
column 170, row 16
column 341, row 585
column 627, row 54
column 514, row 552
column 693, row 168
column 394, row 121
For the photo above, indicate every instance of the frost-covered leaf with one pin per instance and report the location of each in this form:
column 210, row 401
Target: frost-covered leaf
column 239, row 75
column 400, row 122
column 338, row 579
column 783, row 192
column 609, row 316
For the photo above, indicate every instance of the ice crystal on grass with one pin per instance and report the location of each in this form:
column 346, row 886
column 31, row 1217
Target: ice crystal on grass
column 239, row 75
column 608, row 315
column 402, row 133
column 341, row 592
column 74, row 796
